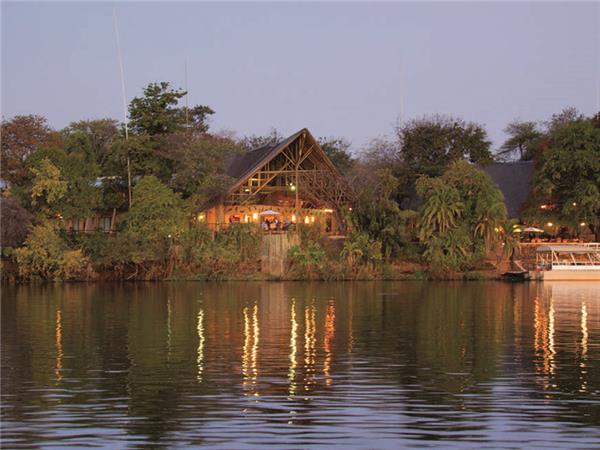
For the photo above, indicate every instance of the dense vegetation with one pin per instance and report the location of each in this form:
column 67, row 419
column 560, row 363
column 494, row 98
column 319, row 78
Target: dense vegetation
column 421, row 202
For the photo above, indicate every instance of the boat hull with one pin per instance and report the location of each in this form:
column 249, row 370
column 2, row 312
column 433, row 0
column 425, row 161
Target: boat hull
column 571, row 275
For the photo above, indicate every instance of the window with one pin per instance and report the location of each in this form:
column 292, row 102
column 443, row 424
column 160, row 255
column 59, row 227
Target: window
column 104, row 224
column 78, row 225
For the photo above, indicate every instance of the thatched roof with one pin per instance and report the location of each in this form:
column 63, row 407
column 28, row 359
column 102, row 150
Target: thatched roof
column 243, row 166
column 515, row 180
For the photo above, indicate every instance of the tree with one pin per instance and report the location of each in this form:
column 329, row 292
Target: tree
column 338, row 151
column 565, row 117
column 568, row 179
column 14, row 222
column 199, row 166
column 255, row 141
column 428, row 145
column 46, row 255
column 460, row 217
column 141, row 150
column 523, row 138
column 378, row 215
column 157, row 112
column 48, row 187
column 156, row 218
column 100, row 135
column 442, row 209
column 21, row 136
column 74, row 175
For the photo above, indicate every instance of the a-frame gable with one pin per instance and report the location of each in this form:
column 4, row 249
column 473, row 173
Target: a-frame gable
column 297, row 162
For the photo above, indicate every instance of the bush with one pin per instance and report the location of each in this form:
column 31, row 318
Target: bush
column 45, row 255
column 307, row 261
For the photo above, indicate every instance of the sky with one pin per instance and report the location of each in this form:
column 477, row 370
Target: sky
column 351, row 70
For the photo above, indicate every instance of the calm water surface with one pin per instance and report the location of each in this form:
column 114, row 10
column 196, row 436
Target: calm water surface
column 293, row 365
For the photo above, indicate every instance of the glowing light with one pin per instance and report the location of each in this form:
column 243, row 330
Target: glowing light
column 544, row 206
column 292, row 187
column 246, row 219
column 250, row 351
column 293, row 351
column 574, row 203
column 312, row 219
column 550, row 224
column 582, row 224
column 200, row 352
column 247, row 190
column 294, row 218
column 310, row 350
column 254, row 216
column 327, row 210
column 327, row 341
column 306, row 220
column 201, row 217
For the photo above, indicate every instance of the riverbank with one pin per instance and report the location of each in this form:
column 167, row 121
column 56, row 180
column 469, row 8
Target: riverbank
column 398, row 271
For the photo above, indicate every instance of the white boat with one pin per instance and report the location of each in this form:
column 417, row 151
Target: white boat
column 559, row 262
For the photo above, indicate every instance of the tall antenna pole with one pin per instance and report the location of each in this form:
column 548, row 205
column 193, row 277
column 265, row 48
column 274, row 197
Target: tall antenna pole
column 124, row 95
column 186, row 97
column 401, row 117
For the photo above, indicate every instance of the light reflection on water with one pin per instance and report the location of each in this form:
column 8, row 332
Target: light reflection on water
column 371, row 365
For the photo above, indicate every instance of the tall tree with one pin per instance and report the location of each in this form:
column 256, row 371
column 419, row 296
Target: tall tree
column 74, row 173
column 249, row 143
column 100, row 135
column 14, row 222
column 338, row 151
column 158, row 112
column 199, row 166
column 21, row 136
column 428, row 145
column 568, row 178
column 523, row 139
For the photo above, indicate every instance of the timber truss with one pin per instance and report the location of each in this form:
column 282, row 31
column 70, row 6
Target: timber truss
column 296, row 168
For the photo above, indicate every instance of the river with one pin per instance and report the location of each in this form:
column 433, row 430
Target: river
column 295, row 365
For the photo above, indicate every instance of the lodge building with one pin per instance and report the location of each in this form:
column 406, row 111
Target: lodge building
column 293, row 179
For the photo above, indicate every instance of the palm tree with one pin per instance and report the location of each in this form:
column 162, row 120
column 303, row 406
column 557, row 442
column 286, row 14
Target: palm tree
column 440, row 212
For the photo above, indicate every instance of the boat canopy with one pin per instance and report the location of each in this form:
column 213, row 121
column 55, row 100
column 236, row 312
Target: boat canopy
column 564, row 249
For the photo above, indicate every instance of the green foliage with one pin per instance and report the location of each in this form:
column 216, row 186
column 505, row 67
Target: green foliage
column 338, row 151
column 378, row 215
column 143, row 158
column 199, row 166
column 359, row 249
column 430, row 144
column 99, row 136
column 156, row 112
column 155, row 219
column 524, row 138
column 568, row 178
column 241, row 239
column 461, row 214
column 307, row 261
column 47, row 186
column 46, row 255
column 62, row 184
